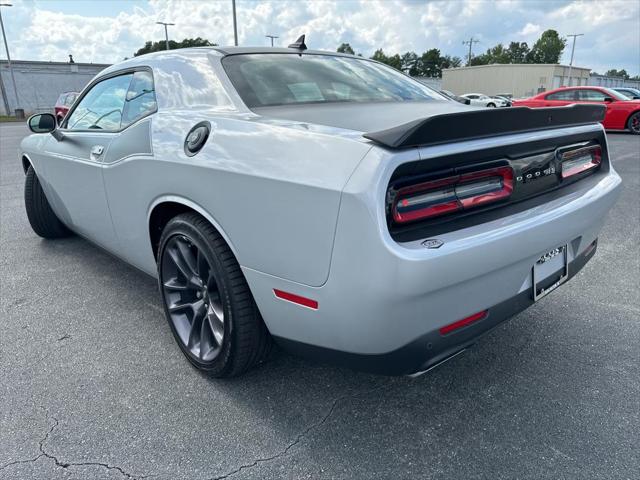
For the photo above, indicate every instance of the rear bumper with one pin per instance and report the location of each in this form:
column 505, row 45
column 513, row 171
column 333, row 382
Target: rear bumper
column 384, row 299
column 432, row 348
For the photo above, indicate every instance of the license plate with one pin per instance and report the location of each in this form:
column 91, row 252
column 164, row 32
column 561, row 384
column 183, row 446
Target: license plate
column 550, row 271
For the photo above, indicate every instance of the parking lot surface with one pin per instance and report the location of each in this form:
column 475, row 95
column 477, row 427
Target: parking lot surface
column 92, row 385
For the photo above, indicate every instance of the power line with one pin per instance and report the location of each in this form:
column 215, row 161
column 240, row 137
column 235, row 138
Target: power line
column 470, row 42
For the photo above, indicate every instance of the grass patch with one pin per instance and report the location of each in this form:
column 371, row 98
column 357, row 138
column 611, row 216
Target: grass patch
column 6, row 118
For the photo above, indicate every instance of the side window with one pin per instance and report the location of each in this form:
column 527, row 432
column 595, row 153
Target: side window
column 592, row 95
column 141, row 98
column 563, row 95
column 101, row 108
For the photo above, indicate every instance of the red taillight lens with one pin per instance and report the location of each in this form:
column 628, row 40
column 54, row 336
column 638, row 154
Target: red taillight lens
column 581, row 160
column 460, row 192
column 463, row 323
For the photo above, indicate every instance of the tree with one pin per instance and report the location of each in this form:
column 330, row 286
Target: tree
column 150, row 46
column 409, row 63
column 517, row 52
column 547, row 49
column 345, row 48
column 450, row 62
column 617, row 73
column 393, row 61
column 431, row 63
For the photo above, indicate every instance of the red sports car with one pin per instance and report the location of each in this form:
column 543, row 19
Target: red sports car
column 65, row 100
column 622, row 113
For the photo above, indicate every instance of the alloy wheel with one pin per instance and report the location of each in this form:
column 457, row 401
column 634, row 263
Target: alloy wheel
column 192, row 298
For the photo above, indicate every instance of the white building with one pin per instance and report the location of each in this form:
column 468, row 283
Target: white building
column 518, row 80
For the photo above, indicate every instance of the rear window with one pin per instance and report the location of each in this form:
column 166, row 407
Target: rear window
column 283, row 79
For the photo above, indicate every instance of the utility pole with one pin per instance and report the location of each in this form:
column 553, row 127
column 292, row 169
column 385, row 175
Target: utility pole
column 166, row 33
column 272, row 37
column 573, row 48
column 13, row 78
column 470, row 42
column 235, row 24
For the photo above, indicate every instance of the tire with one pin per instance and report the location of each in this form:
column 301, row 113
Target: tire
column 205, row 295
column 633, row 124
column 491, row 105
column 41, row 217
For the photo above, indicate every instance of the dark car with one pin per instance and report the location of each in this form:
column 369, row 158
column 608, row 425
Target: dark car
column 63, row 104
column 632, row 93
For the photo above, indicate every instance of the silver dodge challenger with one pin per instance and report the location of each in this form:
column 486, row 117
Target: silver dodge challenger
column 323, row 201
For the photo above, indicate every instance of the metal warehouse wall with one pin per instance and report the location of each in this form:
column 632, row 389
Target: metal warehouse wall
column 520, row 80
column 612, row 82
column 40, row 83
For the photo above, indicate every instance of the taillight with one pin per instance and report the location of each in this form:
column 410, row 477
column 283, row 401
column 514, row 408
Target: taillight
column 577, row 161
column 451, row 194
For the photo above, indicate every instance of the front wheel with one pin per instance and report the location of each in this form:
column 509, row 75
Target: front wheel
column 42, row 219
column 207, row 301
column 491, row 105
column 633, row 124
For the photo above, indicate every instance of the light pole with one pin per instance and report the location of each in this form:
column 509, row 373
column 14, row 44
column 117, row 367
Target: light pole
column 166, row 33
column 573, row 48
column 6, row 47
column 235, row 23
column 272, row 37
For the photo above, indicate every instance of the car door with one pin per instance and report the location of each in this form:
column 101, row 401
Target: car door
column 614, row 117
column 73, row 164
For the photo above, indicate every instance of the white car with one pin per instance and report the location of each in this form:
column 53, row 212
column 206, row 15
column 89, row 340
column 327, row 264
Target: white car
column 482, row 100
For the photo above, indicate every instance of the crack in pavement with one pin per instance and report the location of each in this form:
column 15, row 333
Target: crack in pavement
column 298, row 438
column 65, row 465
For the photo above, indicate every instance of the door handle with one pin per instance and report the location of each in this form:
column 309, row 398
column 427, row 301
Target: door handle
column 97, row 150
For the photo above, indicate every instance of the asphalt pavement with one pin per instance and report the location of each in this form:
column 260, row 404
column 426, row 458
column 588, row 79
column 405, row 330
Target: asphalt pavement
column 92, row 385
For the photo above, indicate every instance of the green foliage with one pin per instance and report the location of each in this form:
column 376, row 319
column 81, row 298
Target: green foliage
column 617, row 73
column 548, row 48
column 161, row 45
column 345, row 48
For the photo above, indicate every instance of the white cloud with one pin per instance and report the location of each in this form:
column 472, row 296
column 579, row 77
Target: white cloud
column 530, row 29
column 42, row 31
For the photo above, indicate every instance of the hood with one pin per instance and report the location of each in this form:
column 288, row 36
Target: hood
column 362, row 117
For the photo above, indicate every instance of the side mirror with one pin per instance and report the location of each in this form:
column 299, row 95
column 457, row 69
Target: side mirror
column 608, row 99
column 42, row 123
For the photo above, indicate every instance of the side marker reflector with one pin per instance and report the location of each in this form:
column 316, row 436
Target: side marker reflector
column 293, row 298
column 463, row 323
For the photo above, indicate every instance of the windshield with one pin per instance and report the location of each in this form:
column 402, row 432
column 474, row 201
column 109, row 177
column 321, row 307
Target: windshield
column 629, row 92
column 283, row 79
column 616, row 95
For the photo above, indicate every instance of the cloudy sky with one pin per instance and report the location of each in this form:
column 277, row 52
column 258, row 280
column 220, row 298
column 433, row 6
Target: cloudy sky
column 108, row 30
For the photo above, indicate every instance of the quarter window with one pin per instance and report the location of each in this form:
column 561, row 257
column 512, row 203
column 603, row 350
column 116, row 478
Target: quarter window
column 591, row 95
column 141, row 98
column 102, row 107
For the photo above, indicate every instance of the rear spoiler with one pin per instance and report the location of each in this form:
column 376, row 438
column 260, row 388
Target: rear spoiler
column 487, row 122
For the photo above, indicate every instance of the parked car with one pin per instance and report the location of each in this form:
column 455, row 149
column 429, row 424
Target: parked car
column 323, row 200
column 482, row 100
column 455, row 97
column 63, row 104
column 632, row 93
column 622, row 113
column 506, row 102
